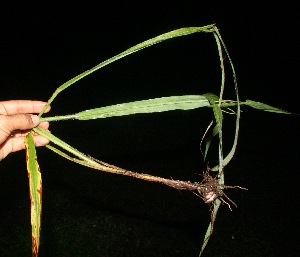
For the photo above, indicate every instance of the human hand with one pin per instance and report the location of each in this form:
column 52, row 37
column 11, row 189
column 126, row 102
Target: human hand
column 16, row 120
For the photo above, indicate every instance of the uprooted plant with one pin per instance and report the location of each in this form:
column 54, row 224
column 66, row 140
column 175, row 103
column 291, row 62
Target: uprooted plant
column 210, row 189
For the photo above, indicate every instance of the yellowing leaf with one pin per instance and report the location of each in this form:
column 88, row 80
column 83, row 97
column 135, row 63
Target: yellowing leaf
column 35, row 187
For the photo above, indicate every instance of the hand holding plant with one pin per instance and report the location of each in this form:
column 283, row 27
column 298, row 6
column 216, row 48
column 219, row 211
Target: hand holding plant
column 16, row 120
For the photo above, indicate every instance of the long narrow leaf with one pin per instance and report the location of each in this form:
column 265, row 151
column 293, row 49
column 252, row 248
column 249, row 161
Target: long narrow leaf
column 213, row 100
column 35, row 187
column 172, row 34
column 163, row 104
column 147, row 106
column 265, row 107
column 209, row 139
column 210, row 228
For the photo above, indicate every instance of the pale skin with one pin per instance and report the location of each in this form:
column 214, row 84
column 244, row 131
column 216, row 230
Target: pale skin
column 17, row 118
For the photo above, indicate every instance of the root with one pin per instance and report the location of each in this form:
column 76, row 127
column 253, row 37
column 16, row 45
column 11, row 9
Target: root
column 209, row 190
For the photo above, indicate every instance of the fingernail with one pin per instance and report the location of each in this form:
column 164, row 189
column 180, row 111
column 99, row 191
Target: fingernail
column 35, row 119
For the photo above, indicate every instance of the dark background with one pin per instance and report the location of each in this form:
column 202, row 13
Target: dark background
column 43, row 46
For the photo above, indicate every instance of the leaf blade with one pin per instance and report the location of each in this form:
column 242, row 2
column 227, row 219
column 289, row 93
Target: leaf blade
column 162, row 104
column 153, row 41
column 35, row 187
column 210, row 227
column 265, row 107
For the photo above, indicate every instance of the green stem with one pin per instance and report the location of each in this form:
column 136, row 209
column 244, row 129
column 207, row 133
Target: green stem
column 63, row 145
column 58, row 118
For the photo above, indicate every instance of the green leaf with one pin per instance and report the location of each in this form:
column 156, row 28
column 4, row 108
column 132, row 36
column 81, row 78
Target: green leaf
column 35, row 187
column 214, row 132
column 163, row 104
column 213, row 100
column 150, row 42
column 210, row 227
column 265, row 107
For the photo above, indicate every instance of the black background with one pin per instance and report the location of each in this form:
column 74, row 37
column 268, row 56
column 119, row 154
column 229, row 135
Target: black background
column 42, row 46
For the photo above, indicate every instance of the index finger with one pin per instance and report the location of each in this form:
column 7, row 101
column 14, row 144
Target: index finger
column 21, row 106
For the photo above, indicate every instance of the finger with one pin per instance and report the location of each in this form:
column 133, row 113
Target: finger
column 11, row 145
column 40, row 140
column 44, row 125
column 10, row 123
column 17, row 143
column 23, row 133
column 21, row 106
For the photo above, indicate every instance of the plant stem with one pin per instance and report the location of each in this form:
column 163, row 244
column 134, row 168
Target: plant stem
column 58, row 118
column 100, row 165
